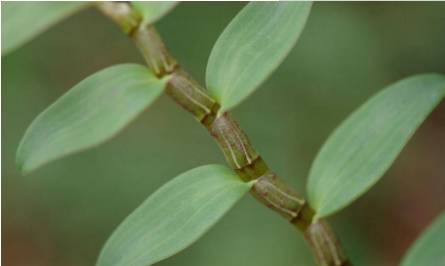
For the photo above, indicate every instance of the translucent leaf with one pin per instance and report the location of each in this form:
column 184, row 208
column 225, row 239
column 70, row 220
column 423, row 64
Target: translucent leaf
column 251, row 47
column 90, row 113
column 22, row 21
column 153, row 11
column 363, row 147
column 174, row 217
column 429, row 247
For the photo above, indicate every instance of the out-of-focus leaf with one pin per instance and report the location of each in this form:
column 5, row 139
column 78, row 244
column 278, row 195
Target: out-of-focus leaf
column 174, row 217
column 153, row 11
column 22, row 21
column 363, row 147
column 90, row 113
column 251, row 47
column 429, row 247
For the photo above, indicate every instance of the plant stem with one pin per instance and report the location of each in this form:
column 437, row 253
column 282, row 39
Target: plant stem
column 269, row 189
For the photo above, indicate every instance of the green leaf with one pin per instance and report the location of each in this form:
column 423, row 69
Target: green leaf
column 174, row 217
column 429, row 247
column 251, row 47
column 23, row 21
column 363, row 147
column 90, row 113
column 153, row 11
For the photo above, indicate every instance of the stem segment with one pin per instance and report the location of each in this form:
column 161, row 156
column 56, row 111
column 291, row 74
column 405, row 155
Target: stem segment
column 269, row 189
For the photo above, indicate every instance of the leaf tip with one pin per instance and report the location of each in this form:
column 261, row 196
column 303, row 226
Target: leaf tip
column 21, row 163
column 23, row 160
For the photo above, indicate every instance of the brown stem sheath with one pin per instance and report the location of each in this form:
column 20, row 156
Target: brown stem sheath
column 269, row 189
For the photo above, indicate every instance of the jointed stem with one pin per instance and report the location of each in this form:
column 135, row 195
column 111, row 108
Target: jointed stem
column 269, row 189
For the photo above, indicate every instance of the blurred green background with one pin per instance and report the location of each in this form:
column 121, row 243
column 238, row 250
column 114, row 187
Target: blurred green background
column 64, row 212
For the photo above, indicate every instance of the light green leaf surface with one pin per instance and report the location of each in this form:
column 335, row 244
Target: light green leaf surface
column 252, row 46
column 90, row 113
column 153, row 11
column 429, row 248
column 22, row 21
column 174, row 217
column 363, row 147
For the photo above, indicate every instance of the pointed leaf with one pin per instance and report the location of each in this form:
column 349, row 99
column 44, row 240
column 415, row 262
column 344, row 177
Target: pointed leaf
column 23, row 21
column 90, row 113
column 251, row 47
column 174, row 217
column 153, row 11
column 429, row 247
column 363, row 147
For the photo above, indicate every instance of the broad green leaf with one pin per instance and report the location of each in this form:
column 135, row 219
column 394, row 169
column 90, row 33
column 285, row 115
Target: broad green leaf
column 363, row 147
column 22, row 21
column 174, row 217
column 90, row 113
column 152, row 11
column 251, row 47
column 429, row 247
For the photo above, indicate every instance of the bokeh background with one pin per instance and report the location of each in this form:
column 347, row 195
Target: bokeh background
column 64, row 212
